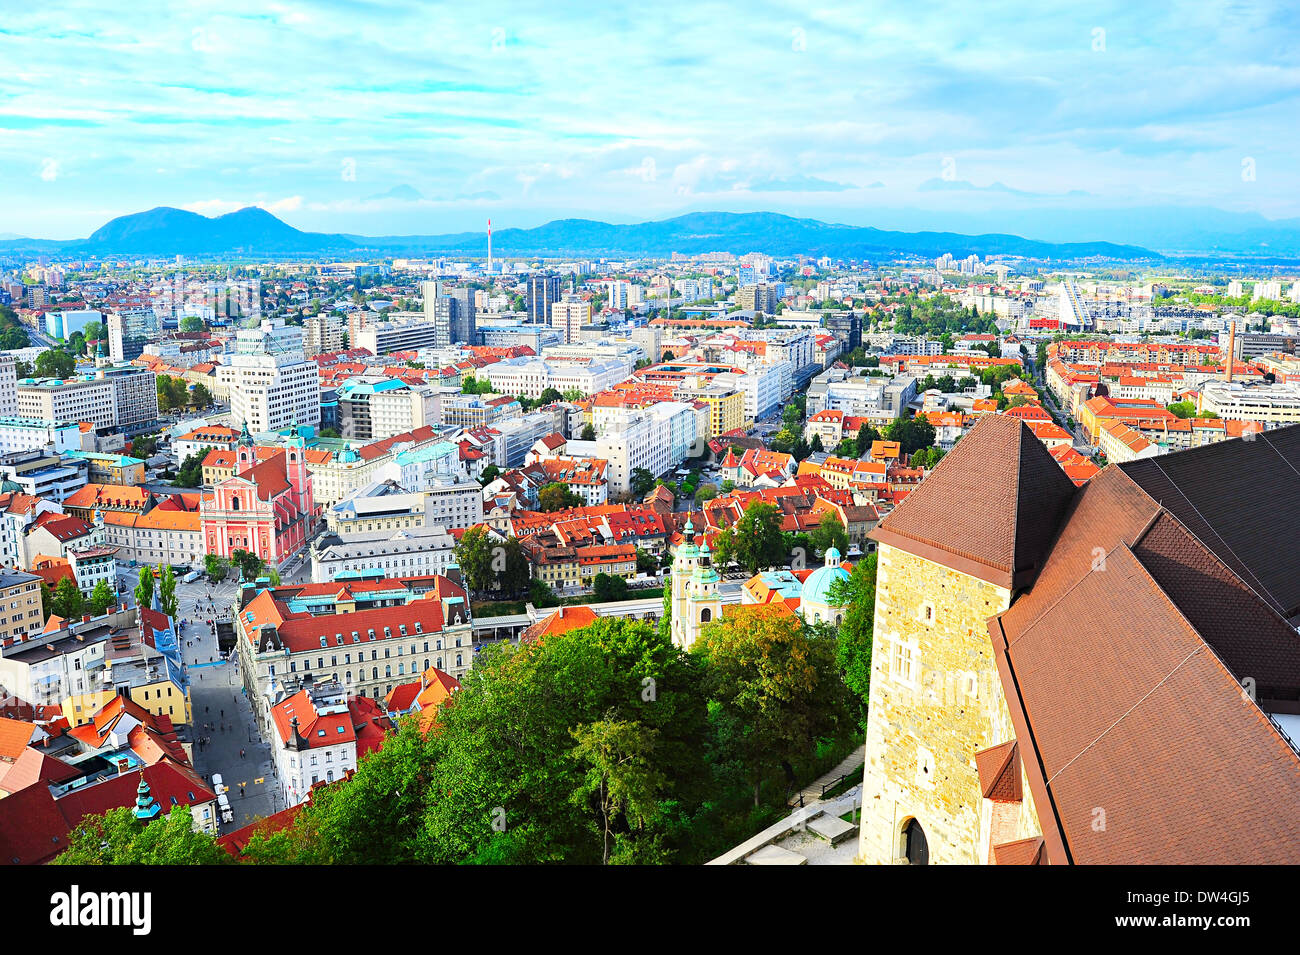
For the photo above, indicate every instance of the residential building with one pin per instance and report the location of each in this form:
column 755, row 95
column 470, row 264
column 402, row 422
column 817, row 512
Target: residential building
column 569, row 315
column 21, row 610
column 368, row 634
column 323, row 334
column 110, row 468
column 320, row 733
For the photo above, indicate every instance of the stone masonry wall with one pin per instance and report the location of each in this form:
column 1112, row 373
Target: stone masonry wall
column 923, row 733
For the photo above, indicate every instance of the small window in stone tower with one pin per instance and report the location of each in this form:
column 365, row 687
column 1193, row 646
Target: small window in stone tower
column 926, row 613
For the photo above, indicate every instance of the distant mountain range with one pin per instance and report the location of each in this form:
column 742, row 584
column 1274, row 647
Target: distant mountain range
column 255, row 232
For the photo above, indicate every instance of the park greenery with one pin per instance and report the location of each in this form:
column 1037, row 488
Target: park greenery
column 605, row 745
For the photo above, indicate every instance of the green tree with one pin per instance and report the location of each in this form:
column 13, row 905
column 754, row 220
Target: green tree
column 853, row 645
column 513, row 784
column 55, row 363
column 540, row 594
column 621, row 776
column 588, row 433
column 201, row 396
column 191, row 323
column 815, row 445
column 102, row 599
column 215, row 567
column 642, row 482
column 550, row 396
column 556, row 496
column 912, row 434
column 144, row 588
column 1183, row 409
column 723, row 550
column 492, row 565
column 489, row 474
column 118, row 838
column 866, row 437
column 829, row 533
column 249, row 565
column 69, row 602
column 774, row 690
column 191, row 472
column 758, row 539
column 705, row 493
column 609, row 588
column 645, row 563
column 167, row 590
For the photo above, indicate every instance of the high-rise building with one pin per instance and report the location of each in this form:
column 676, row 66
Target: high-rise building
column 569, row 315
column 452, row 311
column 543, row 292
column 8, row 386
column 758, row 298
column 130, row 330
column 123, row 398
column 272, row 391
column 322, row 334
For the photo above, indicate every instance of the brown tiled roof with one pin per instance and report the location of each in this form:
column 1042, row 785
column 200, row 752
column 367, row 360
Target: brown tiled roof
column 1217, row 492
column 1124, row 666
column 999, row 772
column 988, row 509
column 1021, row 852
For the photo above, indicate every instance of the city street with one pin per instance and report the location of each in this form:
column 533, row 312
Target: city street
column 221, row 712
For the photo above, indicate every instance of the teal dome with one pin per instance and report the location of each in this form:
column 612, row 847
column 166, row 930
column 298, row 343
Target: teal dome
column 817, row 588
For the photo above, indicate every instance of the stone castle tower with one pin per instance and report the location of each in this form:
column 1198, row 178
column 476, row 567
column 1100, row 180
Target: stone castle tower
column 943, row 782
column 695, row 598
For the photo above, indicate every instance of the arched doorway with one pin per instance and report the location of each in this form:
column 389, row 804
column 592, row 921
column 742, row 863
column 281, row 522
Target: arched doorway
column 915, row 848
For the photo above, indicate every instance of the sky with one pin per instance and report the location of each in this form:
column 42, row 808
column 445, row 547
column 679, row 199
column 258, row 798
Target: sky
column 389, row 117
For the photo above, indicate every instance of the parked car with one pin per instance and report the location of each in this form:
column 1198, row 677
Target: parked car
column 192, row 576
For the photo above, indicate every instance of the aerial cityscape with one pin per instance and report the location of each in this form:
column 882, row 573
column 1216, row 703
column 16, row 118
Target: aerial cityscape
column 490, row 461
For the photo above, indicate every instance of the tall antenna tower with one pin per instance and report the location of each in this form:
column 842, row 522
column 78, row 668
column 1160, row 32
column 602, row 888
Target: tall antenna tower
column 489, row 267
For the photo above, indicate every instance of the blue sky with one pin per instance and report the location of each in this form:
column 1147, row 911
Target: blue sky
column 399, row 117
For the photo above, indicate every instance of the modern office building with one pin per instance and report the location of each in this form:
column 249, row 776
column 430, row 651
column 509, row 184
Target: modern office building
column 373, row 410
column 269, row 392
column 543, row 292
column 115, row 398
column 403, row 331
column 130, row 331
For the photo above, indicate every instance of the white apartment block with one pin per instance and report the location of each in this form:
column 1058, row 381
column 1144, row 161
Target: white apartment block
column 50, row 399
column 8, row 385
column 322, row 334
column 271, row 392
column 371, row 410
column 417, row 551
column 1270, row 404
column 656, row 439
column 568, row 315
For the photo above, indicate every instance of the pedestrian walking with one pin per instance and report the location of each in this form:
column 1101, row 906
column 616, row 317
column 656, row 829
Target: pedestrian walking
column 241, row 792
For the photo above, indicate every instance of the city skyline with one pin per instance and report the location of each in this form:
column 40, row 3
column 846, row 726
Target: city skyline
column 389, row 118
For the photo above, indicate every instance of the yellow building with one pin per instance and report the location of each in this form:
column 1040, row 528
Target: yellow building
column 111, row 468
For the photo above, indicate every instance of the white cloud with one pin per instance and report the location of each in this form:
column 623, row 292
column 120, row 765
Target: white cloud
column 49, row 169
